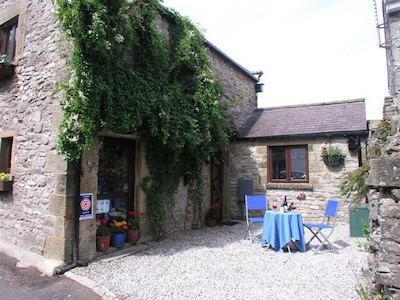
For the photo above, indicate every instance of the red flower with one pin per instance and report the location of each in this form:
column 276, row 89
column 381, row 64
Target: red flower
column 214, row 205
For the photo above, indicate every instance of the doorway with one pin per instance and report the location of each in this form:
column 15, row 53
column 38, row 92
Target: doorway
column 116, row 173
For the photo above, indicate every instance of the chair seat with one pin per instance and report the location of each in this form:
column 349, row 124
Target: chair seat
column 316, row 225
column 256, row 220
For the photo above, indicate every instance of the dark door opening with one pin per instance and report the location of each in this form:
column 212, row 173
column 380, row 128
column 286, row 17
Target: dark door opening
column 116, row 173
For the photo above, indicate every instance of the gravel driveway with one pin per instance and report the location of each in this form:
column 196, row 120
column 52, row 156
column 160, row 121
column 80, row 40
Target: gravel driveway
column 218, row 263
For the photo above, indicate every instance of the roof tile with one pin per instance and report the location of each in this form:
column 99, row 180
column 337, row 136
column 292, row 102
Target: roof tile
column 309, row 119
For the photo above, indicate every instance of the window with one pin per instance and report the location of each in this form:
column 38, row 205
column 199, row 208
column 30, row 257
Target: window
column 9, row 38
column 288, row 164
column 5, row 154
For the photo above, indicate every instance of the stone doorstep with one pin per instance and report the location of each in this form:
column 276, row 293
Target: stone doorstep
column 116, row 253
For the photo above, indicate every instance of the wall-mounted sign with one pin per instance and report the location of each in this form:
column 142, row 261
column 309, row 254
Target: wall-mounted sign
column 86, row 206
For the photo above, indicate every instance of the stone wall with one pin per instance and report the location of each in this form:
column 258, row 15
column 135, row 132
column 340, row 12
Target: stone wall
column 384, row 174
column 241, row 100
column 249, row 160
column 33, row 214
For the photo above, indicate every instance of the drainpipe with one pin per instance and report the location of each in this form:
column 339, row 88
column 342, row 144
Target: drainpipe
column 77, row 262
column 359, row 152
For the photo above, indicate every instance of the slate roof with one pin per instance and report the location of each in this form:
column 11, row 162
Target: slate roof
column 322, row 119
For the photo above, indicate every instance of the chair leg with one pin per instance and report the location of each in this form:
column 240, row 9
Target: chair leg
column 315, row 235
column 248, row 234
column 325, row 240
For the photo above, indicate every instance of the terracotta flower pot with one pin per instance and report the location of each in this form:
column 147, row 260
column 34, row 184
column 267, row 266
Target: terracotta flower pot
column 132, row 236
column 103, row 243
column 211, row 222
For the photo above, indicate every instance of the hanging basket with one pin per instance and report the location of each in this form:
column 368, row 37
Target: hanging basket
column 333, row 160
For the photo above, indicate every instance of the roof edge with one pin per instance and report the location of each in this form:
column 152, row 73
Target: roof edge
column 312, row 104
column 207, row 43
column 309, row 135
column 165, row 12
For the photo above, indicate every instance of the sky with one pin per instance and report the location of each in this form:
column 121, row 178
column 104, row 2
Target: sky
column 310, row 51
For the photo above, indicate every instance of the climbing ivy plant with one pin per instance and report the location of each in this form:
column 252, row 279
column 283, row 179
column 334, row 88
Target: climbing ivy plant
column 129, row 78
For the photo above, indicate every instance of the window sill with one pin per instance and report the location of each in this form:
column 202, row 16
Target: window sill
column 289, row 186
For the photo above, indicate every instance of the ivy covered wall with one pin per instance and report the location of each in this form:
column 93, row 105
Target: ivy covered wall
column 128, row 78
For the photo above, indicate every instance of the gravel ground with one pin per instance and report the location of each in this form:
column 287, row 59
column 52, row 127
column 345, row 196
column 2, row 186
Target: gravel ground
column 218, row 263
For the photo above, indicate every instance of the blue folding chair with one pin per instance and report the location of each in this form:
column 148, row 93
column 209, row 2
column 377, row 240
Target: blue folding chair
column 328, row 225
column 256, row 205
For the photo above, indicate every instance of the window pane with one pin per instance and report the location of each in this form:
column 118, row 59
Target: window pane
column 278, row 163
column 5, row 154
column 298, row 163
column 288, row 164
column 11, row 41
column 8, row 40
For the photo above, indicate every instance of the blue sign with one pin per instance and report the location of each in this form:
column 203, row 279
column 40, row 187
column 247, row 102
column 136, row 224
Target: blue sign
column 86, row 206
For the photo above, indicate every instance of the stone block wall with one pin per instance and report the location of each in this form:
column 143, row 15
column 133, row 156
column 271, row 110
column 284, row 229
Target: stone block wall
column 241, row 100
column 33, row 214
column 384, row 178
column 249, row 160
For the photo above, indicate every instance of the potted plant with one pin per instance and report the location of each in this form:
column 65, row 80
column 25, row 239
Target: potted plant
column 213, row 214
column 103, row 235
column 118, row 232
column 133, row 231
column 332, row 155
column 6, row 67
column 5, row 182
column 354, row 184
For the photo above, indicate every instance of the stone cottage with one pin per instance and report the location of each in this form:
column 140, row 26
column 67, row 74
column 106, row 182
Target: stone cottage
column 278, row 152
column 40, row 213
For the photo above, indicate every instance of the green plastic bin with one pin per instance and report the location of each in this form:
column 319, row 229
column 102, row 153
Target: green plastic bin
column 359, row 218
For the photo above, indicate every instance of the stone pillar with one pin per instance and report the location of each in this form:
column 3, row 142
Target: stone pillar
column 385, row 226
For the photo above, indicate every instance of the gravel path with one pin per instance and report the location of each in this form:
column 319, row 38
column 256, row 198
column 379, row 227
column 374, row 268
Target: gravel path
column 218, row 263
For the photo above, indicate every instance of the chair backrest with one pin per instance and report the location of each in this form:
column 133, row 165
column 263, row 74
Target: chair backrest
column 255, row 202
column 331, row 210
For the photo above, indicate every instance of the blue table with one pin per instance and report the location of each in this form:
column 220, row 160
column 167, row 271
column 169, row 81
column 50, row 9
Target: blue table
column 279, row 229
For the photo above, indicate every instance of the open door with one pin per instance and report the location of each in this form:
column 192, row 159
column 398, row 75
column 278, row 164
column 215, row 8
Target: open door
column 116, row 173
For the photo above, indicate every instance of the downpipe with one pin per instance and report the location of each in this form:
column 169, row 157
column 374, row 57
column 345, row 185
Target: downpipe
column 77, row 262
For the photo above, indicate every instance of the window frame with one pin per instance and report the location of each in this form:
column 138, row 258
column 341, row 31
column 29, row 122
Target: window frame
column 6, row 152
column 287, row 149
column 15, row 12
column 10, row 28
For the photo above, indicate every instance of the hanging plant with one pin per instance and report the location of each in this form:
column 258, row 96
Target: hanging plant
column 354, row 184
column 127, row 78
column 332, row 155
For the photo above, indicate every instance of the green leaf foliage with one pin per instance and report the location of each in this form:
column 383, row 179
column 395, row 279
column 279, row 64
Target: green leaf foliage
column 128, row 78
column 354, row 184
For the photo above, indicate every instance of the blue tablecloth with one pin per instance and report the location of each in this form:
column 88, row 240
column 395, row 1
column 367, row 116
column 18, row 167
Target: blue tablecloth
column 281, row 228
